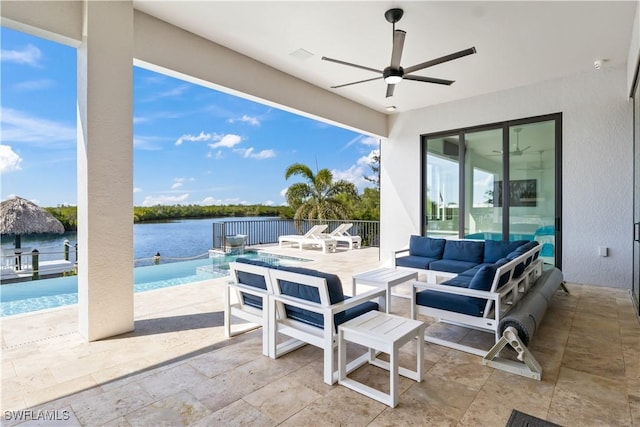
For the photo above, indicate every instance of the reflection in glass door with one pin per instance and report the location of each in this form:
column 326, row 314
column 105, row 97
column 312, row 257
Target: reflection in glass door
column 483, row 172
column 532, row 185
column 441, row 185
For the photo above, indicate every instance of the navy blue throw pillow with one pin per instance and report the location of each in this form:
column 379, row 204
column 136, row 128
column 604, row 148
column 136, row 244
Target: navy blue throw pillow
column 426, row 246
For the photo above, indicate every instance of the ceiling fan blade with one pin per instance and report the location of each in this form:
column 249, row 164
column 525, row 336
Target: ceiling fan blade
column 337, row 61
column 429, row 80
column 525, row 149
column 440, row 60
column 390, row 89
column 355, row 83
column 398, row 44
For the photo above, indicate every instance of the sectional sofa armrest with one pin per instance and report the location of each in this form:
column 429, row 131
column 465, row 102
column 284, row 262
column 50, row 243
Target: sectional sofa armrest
column 394, row 255
column 495, row 296
column 335, row 308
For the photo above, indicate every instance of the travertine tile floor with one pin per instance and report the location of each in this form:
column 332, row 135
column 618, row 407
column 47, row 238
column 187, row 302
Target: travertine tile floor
column 177, row 368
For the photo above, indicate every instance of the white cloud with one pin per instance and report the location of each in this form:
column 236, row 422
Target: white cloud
column 356, row 173
column 148, row 143
column 10, row 161
column 249, row 153
column 179, row 182
column 30, row 55
column 18, row 126
column 176, row 185
column 208, row 201
column 137, row 189
column 197, row 138
column 32, row 85
column 229, row 140
column 164, row 200
column 269, row 203
column 175, row 92
column 253, row 121
column 370, row 141
column 283, row 192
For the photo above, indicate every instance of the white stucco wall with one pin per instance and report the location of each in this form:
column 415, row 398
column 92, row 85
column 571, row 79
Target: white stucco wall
column 597, row 166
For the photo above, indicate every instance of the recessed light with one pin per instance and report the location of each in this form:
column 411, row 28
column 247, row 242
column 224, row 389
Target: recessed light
column 390, row 108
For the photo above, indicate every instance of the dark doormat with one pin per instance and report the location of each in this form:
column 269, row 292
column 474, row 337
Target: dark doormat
column 519, row 419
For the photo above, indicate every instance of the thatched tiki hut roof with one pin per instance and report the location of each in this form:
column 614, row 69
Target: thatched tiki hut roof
column 20, row 216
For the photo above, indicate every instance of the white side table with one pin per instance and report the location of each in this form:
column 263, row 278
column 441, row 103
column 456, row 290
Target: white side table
column 384, row 278
column 386, row 333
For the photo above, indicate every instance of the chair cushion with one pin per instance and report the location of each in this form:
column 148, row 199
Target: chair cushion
column 464, row 250
column 451, row 266
column 496, row 249
column 483, row 279
column 413, row 261
column 317, row 320
column 309, row 293
column 252, row 279
column 473, row 270
column 458, row 281
column 451, row 302
column 426, row 246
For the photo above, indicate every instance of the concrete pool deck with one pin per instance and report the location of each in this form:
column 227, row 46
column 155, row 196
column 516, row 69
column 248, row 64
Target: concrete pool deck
column 177, row 368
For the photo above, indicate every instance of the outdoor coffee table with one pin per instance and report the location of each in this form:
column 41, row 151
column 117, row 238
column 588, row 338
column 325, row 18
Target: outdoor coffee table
column 381, row 332
column 384, row 278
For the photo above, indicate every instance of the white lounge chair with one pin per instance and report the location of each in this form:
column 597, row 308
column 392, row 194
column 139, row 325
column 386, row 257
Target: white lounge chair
column 341, row 234
column 313, row 237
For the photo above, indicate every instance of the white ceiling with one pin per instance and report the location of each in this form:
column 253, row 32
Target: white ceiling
column 518, row 43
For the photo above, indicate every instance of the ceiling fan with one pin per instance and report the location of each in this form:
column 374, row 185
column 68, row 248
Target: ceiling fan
column 394, row 73
column 517, row 151
column 538, row 167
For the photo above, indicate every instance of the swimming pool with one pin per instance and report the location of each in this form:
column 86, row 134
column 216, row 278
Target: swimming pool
column 26, row 297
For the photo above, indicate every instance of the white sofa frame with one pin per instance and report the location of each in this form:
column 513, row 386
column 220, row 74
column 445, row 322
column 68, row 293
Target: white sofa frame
column 301, row 333
column 499, row 301
column 234, row 305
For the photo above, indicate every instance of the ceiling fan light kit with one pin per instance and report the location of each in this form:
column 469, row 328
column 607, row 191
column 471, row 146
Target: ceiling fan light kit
column 394, row 73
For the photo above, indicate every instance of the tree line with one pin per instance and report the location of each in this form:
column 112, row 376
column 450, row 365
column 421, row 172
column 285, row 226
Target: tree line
column 317, row 197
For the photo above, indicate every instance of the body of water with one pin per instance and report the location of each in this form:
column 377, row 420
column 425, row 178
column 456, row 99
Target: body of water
column 175, row 240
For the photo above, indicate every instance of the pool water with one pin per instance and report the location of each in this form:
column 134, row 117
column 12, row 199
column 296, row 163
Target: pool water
column 26, row 297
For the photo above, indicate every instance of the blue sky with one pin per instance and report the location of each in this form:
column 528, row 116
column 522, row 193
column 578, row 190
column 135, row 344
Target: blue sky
column 192, row 145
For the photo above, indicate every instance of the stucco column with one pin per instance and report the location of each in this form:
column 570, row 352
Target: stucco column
column 105, row 170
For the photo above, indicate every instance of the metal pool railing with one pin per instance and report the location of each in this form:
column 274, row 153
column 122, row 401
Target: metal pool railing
column 268, row 230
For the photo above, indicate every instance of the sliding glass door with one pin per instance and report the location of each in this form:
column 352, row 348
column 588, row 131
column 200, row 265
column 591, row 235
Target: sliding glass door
column 499, row 182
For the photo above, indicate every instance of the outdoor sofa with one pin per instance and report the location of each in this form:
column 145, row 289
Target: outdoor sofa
column 469, row 283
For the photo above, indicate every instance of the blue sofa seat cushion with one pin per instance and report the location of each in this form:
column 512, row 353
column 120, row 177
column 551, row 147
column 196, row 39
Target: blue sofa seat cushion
column 317, row 320
column 459, row 281
column 426, row 246
column 251, row 279
column 451, row 302
column 451, row 266
column 413, row 261
column 464, row 250
column 311, row 293
column 496, row 249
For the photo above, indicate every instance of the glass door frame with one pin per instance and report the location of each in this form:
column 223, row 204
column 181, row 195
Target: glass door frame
column 505, row 126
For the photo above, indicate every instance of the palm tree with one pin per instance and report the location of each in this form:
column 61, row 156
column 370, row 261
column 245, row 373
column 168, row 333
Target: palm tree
column 318, row 197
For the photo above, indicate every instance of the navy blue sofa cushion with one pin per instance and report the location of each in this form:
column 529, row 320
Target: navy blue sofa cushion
column 310, row 293
column 458, row 281
column 414, row 261
column 496, row 249
column 451, row 266
column 483, row 279
column 464, row 250
column 426, row 246
column 451, row 302
column 518, row 252
column 251, row 279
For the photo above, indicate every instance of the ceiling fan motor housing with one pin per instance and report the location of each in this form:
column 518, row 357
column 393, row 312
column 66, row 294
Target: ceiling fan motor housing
column 393, row 15
column 392, row 74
